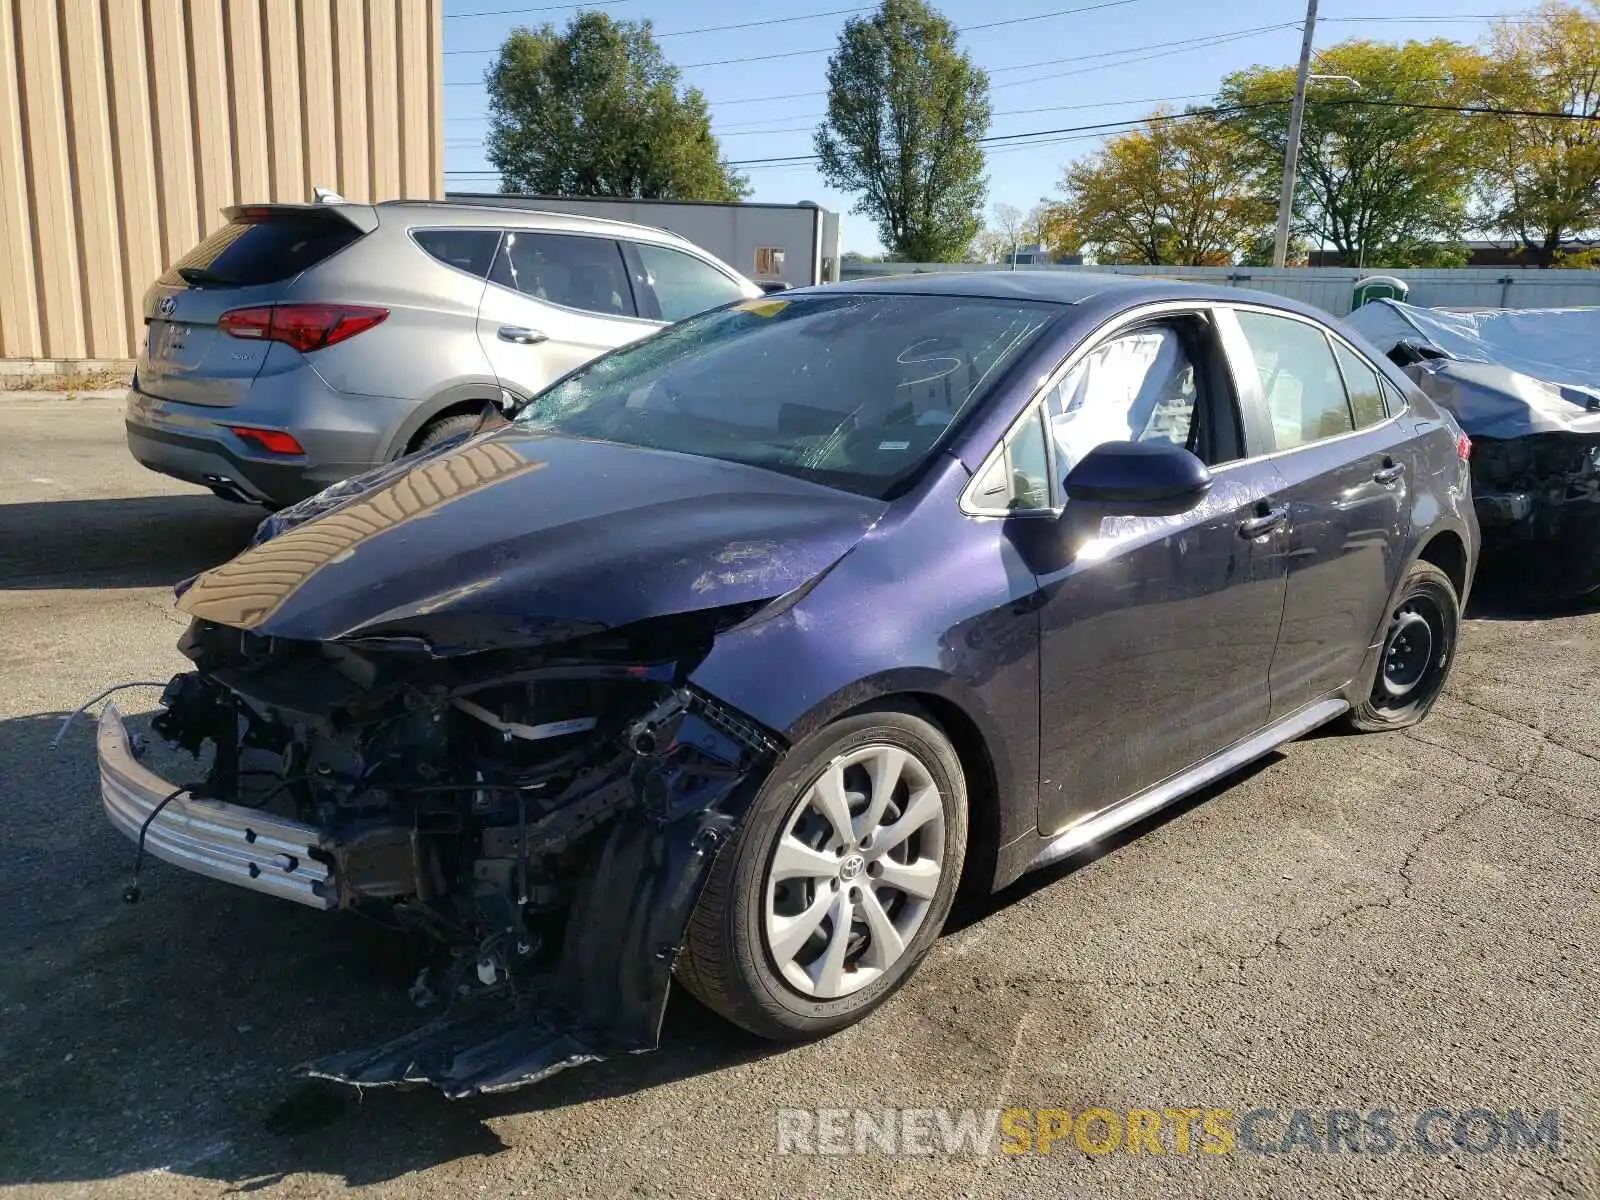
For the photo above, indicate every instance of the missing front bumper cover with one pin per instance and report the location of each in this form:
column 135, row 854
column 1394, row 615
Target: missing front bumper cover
column 650, row 839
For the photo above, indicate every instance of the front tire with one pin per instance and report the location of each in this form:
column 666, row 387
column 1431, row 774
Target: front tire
column 839, row 882
column 1419, row 648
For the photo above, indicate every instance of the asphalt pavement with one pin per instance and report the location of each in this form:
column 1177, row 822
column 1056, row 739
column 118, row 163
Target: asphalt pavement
column 1404, row 922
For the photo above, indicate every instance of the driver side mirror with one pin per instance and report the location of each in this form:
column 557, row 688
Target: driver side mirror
column 1138, row 479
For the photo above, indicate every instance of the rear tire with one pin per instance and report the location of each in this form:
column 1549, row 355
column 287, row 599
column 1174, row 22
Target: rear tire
column 891, row 878
column 1419, row 648
column 443, row 430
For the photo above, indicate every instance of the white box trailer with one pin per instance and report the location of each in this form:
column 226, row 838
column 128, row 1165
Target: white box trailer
column 797, row 244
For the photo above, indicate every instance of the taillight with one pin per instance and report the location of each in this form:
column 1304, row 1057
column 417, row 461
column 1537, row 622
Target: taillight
column 306, row 327
column 1464, row 448
column 275, row 440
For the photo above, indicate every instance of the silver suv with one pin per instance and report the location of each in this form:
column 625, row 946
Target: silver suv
column 301, row 344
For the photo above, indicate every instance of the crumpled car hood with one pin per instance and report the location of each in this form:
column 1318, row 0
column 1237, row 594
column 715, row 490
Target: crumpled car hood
column 515, row 538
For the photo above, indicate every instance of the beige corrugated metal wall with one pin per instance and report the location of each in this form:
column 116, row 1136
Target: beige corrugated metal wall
column 126, row 125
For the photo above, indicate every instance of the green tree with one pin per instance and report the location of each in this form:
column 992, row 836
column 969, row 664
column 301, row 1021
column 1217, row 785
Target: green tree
column 1539, row 179
column 1177, row 191
column 1385, row 186
column 598, row 110
column 907, row 110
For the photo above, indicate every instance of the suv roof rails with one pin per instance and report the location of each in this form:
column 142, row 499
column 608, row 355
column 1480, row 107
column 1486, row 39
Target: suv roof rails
column 522, row 208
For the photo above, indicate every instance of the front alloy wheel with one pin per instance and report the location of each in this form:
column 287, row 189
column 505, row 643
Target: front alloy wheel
column 839, row 881
column 855, row 872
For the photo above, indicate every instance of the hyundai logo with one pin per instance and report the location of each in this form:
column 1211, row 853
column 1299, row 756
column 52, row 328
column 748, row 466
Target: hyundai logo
column 167, row 307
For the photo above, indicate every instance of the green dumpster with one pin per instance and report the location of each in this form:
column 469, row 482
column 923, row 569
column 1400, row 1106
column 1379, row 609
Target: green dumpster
column 1378, row 287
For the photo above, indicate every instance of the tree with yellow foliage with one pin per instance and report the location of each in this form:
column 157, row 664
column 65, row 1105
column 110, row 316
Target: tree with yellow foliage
column 1180, row 190
column 1538, row 178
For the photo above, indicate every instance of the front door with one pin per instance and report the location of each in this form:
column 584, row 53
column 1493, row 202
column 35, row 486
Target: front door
column 1344, row 464
column 1158, row 636
column 554, row 301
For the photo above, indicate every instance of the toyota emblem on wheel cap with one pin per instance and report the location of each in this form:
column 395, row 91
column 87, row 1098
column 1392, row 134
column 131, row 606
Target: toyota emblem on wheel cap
column 167, row 307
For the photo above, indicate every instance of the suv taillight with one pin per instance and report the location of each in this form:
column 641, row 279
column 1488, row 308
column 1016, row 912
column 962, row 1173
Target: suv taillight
column 306, row 327
column 1464, row 448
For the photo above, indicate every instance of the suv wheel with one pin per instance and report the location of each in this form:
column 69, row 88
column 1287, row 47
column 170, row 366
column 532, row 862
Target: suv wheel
column 839, row 882
column 443, row 430
column 1418, row 650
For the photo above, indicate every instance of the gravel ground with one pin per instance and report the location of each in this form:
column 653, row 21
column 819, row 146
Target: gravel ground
column 1399, row 921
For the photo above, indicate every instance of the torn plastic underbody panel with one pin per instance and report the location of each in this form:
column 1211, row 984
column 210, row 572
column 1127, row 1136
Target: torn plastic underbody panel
column 549, row 816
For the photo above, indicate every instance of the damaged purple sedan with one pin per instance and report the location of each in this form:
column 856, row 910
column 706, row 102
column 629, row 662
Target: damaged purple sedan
column 741, row 648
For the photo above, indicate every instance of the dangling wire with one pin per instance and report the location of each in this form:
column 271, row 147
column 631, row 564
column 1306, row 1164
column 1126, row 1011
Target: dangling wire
column 66, row 722
column 131, row 893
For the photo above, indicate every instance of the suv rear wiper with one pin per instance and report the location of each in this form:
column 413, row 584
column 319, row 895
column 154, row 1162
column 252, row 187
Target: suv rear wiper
column 201, row 276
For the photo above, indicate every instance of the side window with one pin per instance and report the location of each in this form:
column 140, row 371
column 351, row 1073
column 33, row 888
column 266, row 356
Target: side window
column 1393, row 400
column 1361, row 382
column 576, row 272
column 469, row 250
column 1299, row 379
column 683, row 285
column 1018, row 478
column 1136, row 387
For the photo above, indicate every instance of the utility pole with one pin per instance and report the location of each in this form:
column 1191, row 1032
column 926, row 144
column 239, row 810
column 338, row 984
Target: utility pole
column 1291, row 152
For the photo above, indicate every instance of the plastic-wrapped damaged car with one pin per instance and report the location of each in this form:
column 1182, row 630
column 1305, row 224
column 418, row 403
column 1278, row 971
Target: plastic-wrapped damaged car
column 1525, row 386
column 740, row 648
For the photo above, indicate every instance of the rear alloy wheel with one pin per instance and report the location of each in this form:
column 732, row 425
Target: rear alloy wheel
column 840, row 881
column 1418, row 650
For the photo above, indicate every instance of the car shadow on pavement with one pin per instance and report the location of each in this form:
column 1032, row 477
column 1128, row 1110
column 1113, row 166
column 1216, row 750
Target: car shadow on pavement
column 132, row 541
column 167, row 1035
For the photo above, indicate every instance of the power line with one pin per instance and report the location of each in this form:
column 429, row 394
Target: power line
column 722, row 62
column 1194, row 43
column 742, row 126
column 517, row 12
column 1064, row 12
column 1467, row 109
column 1464, row 19
column 1221, row 111
column 1181, row 46
column 1001, row 112
column 832, row 12
column 1072, row 133
column 1098, row 128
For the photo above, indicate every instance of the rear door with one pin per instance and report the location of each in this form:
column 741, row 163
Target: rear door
column 673, row 284
column 249, row 261
column 1347, row 469
column 555, row 301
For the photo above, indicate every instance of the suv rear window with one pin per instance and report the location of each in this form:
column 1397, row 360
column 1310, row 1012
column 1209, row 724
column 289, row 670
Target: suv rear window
column 254, row 250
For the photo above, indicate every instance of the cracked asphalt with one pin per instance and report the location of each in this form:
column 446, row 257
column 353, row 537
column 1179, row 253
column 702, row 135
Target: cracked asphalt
column 1405, row 922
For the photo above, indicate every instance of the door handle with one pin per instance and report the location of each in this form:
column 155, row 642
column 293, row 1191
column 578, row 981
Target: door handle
column 521, row 336
column 1389, row 473
column 1268, row 521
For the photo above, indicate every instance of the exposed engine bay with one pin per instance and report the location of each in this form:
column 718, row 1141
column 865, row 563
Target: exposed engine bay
column 547, row 816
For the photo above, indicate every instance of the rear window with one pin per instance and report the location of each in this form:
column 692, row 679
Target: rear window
column 256, row 250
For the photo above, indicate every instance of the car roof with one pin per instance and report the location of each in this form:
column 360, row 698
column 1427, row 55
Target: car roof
column 500, row 216
column 1070, row 286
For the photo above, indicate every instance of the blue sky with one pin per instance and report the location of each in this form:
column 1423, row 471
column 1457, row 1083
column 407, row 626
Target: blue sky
column 1049, row 70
